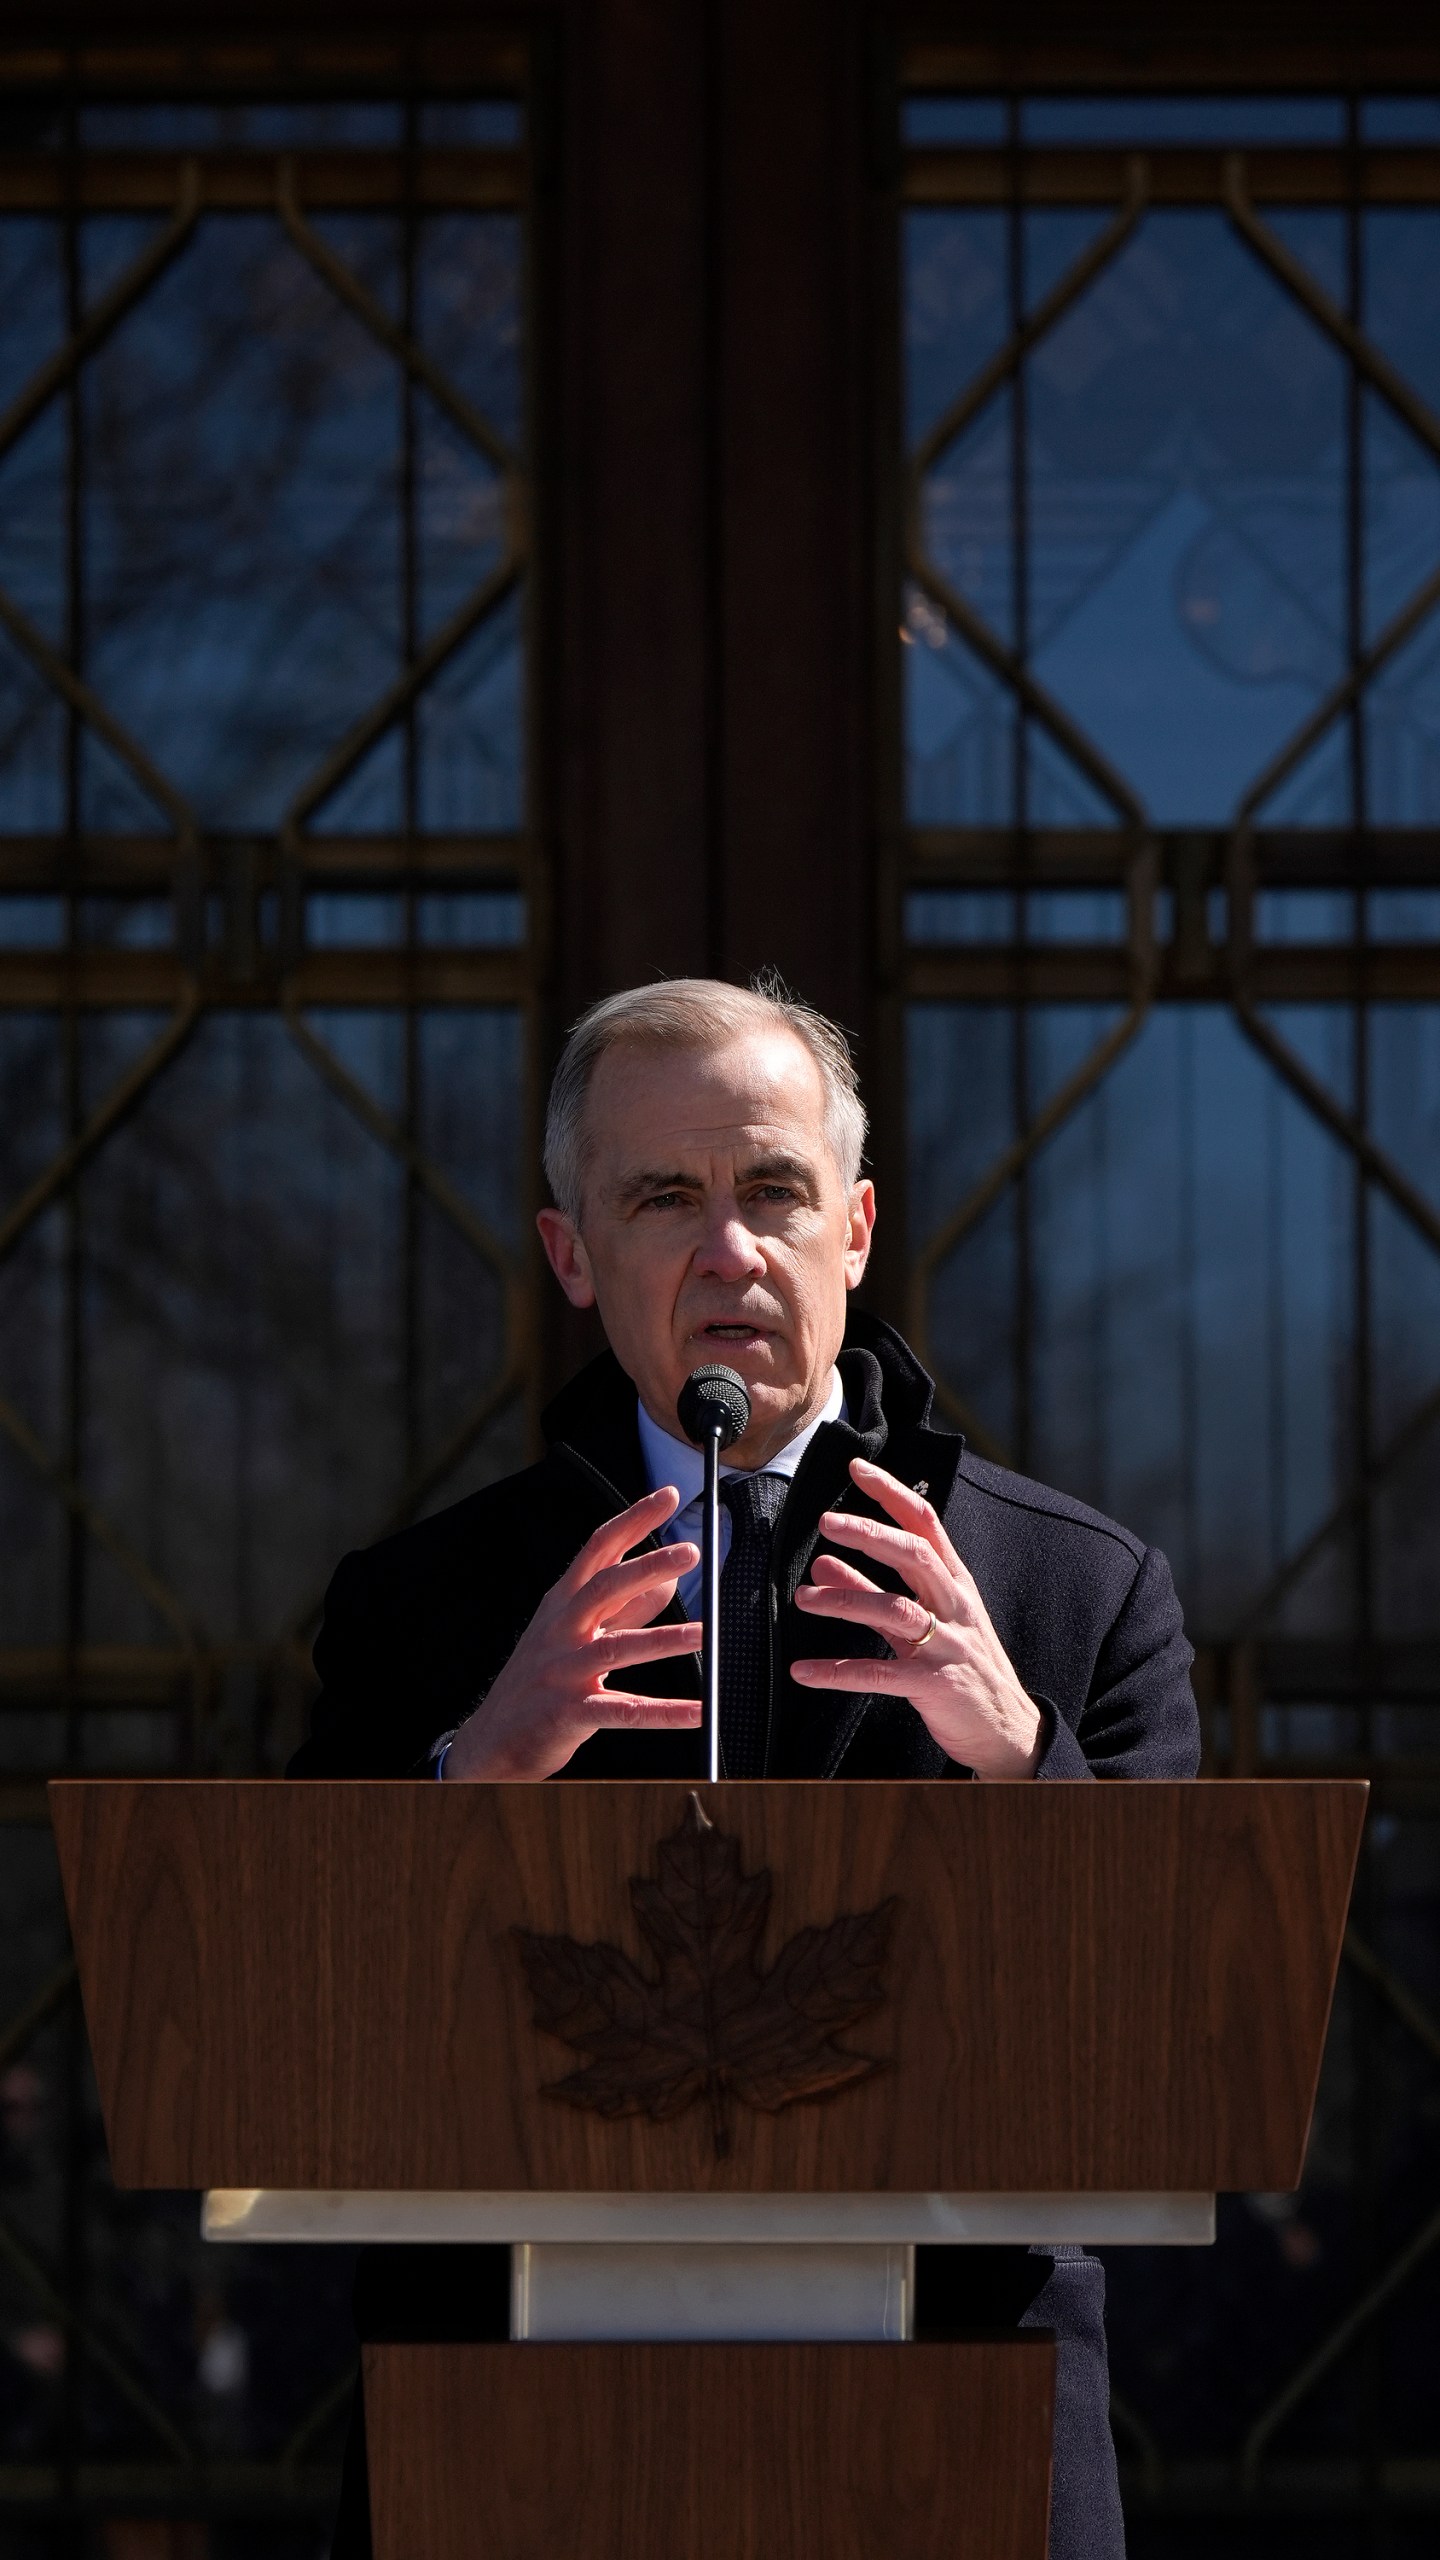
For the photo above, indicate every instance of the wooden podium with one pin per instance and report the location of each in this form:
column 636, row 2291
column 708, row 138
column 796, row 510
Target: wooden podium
column 712, row 2061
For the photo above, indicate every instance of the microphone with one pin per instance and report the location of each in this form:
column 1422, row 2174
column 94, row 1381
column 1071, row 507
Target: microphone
column 714, row 1409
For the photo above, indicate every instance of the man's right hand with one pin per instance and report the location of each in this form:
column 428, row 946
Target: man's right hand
column 549, row 1698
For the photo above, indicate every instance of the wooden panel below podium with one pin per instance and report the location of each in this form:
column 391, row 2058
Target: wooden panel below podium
column 645, row 2452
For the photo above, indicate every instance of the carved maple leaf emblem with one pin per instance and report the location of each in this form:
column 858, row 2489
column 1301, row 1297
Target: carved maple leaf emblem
column 712, row 2025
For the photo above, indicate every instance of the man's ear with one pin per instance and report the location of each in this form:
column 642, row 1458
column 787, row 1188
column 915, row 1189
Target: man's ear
column 566, row 1256
column 862, row 1228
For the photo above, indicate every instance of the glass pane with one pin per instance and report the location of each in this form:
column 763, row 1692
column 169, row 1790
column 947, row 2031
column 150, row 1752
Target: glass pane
column 1186, row 1305
column 959, row 726
column 1402, row 730
column 966, row 518
column 242, row 532
column 483, row 123
column 1191, row 1308
column 247, row 1405
column 189, row 125
column 956, row 305
column 1415, row 119
column 939, row 120
column 1150, row 120
column 473, row 918
column 245, row 489
column 248, row 1336
column 470, row 728
column 1187, row 446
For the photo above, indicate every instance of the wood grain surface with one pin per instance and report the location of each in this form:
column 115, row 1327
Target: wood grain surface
column 1089, row 1987
column 681, row 2452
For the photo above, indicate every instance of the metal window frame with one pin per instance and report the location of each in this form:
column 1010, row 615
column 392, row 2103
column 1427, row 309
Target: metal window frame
column 200, row 872
column 1245, row 1664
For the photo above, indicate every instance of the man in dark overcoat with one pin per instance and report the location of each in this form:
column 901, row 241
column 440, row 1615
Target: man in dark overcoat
column 891, row 1605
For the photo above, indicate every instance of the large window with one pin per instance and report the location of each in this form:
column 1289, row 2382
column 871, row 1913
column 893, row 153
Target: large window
column 266, row 976
column 1171, row 920
column 263, row 922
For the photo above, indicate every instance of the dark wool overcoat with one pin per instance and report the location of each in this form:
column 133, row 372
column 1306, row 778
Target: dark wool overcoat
column 416, row 1629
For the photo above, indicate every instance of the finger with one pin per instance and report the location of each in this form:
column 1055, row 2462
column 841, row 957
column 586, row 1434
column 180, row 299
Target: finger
column 622, row 1646
column 825, row 1671
column 614, row 1586
column 912, row 1557
column 634, row 1572
column 900, row 1620
column 909, row 1508
column 643, row 1610
column 614, row 1538
column 838, row 1570
column 614, row 1709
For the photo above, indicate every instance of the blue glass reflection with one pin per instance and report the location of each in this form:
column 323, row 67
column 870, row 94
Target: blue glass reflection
column 1191, row 1288
column 348, row 919
column 1154, row 121
column 494, row 124
column 961, row 916
column 472, row 919
column 31, row 924
column 953, row 119
column 1403, row 915
column 1304, row 915
column 243, row 530
column 196, row 125
column 1400, row 120
column 1184, row 517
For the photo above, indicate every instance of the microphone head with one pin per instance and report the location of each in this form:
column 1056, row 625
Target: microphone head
column 714, row 1400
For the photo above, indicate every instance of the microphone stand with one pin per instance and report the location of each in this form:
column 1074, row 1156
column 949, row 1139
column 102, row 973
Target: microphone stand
column 712, row 1409
column 710, row 1603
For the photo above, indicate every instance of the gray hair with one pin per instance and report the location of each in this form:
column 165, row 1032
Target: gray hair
column 694, row 1013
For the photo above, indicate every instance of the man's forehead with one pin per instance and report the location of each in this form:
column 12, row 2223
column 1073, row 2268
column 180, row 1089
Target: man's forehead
column 738, row 1142
column 690, row 1140
column 751, row 1095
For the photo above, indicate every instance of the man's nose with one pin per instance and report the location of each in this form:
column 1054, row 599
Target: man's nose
column 728, row 1249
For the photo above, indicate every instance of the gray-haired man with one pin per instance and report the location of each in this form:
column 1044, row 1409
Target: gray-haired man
column 933, row 1615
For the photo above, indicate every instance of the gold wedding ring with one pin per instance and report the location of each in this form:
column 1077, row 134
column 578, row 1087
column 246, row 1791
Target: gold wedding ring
column 930, row 1630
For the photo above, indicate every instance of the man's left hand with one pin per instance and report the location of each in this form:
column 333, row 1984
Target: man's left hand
column 949, row 1662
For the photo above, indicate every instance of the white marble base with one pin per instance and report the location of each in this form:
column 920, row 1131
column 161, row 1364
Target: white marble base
column 281, row 2213
column 698, row 2289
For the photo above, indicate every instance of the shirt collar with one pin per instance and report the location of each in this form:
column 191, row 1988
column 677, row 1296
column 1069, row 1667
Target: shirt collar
column 677, row 1462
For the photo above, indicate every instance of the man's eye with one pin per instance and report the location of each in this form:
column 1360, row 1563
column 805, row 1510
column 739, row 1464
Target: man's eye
column 662, row 1200
column 776, row 1191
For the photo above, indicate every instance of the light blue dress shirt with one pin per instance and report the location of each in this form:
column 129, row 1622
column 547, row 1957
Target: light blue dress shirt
column 677, row 1462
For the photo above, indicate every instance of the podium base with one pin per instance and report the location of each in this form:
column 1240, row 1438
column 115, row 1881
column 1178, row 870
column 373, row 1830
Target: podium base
column 646, row 2452
column 711, row 2289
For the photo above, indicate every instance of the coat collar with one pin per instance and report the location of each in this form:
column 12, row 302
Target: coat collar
column 889, row 1399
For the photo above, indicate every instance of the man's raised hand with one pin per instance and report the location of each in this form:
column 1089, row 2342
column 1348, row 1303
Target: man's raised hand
column 550, row 1696
column 949, row 1662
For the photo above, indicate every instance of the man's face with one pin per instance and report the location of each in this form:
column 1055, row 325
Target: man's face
column 716, row 1226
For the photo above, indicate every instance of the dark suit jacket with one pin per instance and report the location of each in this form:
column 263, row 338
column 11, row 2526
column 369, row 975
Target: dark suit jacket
column 416, row 1628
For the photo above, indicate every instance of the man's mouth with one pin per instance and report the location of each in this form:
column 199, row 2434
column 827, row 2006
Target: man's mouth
column 734, row 1330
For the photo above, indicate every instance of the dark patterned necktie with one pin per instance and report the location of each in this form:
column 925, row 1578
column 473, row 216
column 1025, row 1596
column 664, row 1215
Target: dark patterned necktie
column 754, row 1504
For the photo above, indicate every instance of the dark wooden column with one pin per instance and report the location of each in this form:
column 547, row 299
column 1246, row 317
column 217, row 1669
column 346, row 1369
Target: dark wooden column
column 794, row 879
column 628, row 742
column 712, row 739
column 708, row 753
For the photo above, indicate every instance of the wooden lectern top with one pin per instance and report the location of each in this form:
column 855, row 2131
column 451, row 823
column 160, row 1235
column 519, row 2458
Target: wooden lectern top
column 767, row 1986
